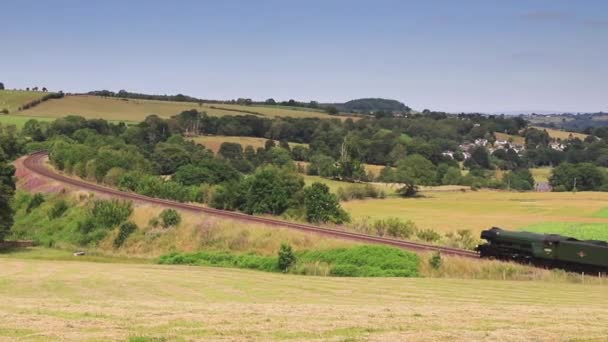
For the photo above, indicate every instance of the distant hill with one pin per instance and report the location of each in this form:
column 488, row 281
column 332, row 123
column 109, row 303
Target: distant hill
column 372, row 105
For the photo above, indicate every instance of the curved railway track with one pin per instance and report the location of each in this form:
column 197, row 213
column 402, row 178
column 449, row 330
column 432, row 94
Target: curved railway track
column 35, row 164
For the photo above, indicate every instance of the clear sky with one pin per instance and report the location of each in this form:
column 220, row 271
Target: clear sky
column 484, row 55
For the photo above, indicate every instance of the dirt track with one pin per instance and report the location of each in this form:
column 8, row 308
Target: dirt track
column 34, row 163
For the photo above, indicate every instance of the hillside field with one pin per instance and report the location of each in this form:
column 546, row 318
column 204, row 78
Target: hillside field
column 76, row 300
column 557, row 134
column 13, row 99
column 117, row 109
column 478, row 210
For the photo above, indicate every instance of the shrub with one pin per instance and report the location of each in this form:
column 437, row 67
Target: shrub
column 154, row 222
column 58, row 209
column 428, row 235
column 109, row 214
column 357, row 191
column 170, row 218
column 435, row 261
column 395, row 227
column 124, row 231
column 286, row 257
column 35, row 202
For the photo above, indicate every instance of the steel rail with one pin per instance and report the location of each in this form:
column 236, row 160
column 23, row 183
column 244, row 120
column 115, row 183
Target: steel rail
column 35, row 164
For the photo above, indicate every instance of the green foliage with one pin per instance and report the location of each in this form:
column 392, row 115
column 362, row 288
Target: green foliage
column 520, row 179
column 583, row 177
column 435, row 261
column 7, row 190
column 79, row 224
column 110, row 213
column 270, row 190
column 365, row 261
column 395, row 227
column 222, row 259
column 124, row 231
column 428, row 235
column 58, row 209
column 35, row 202
column 170, row 218
column 323, row 206
column 358, row 191
column 417, row 169
column 286, row 257
column 360, row 261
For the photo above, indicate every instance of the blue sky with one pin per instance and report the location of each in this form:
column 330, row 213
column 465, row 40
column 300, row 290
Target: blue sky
column 490, row 56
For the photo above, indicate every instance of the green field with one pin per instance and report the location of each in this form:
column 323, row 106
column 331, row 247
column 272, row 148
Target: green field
column 13, row 99
column 76, row 301
column 583, row 231
column 116, row 109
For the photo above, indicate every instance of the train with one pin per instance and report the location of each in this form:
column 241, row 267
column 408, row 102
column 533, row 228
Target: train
column 545, row 250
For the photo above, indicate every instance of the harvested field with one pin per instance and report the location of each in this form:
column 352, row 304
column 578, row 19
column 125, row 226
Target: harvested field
column 76, row 301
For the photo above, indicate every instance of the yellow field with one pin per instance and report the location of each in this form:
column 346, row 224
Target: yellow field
column 76, row 301
column 557, row 134
column 507, row 137
column 541, row 174
column 13, row 99
column 478, row 210
column 213, row 142
column 137, row 110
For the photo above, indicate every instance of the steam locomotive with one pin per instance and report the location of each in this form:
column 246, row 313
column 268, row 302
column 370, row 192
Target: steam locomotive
column 545, row 250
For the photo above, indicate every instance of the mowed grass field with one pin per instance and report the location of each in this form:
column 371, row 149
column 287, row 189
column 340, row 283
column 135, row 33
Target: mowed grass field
column 116, row 109
column 213, row 142
column 478, row 210
column 85, row 301
column 13, row 99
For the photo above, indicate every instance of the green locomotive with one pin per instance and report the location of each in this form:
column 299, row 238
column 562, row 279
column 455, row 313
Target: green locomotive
column 548, row 250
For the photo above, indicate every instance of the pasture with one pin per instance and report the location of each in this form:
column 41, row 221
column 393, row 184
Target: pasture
column 75, row 301
column 213, row 142
column 11, row 100
column 117, row 109
column 478, row 210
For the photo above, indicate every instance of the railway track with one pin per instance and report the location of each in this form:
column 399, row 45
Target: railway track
column 35, row 164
